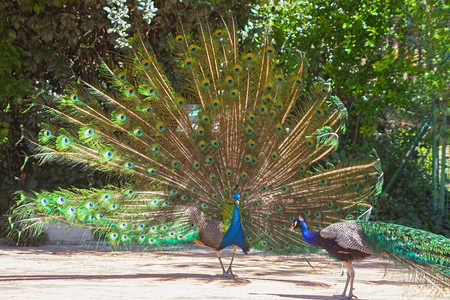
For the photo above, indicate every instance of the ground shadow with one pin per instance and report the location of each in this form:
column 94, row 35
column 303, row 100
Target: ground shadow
column 292, row 296
column 158, row 277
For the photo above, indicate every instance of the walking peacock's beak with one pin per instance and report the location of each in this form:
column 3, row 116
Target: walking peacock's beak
column 294, row 224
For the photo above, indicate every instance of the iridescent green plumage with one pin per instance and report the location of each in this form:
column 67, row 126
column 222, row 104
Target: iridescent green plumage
column 238, row 119
column 408, row 243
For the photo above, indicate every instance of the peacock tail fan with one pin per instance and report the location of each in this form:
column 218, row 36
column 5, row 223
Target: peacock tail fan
column 425, row 253
column 117, row 216
column 235, row 123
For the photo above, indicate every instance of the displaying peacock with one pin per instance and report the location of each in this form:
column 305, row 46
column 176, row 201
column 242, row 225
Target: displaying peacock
column 425, row 253
column 226, row 158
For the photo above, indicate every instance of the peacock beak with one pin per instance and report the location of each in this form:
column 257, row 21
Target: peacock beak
column 294, row 225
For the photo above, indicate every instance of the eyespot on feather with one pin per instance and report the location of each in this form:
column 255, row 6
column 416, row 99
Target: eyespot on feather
column 180, row 101
column 248, row 130
column 202, row 145
column 193, row 48
column 160, row 126
column 188, row 62
column 215, row 103
column 205, row 83
column 274, row 155
column 229, row 80
column 214, row 143
column 179, row 38
column 205, row 119
column 196, row 165
column 200, row 131
column 262, row 109
column 150, row 90
column 278, row 128
column 279, row 78
column 156, row 148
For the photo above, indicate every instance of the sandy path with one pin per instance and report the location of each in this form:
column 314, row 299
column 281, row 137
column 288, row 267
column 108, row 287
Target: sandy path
column 78, row 272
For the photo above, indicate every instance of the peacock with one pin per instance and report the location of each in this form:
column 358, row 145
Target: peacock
column 222, row 155
column 426, row 253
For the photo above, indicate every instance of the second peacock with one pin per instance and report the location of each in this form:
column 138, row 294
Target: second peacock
column 426, row 254
column 226, row 158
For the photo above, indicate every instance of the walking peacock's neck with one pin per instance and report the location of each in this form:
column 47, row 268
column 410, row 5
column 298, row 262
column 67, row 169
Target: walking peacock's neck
column 310, row 237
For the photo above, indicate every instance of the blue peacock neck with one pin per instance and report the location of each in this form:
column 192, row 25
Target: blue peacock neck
column 236, row 219
column 310, row 237
column 234, row 234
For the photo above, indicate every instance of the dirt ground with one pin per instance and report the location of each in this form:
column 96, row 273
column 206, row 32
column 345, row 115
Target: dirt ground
column 82, row 272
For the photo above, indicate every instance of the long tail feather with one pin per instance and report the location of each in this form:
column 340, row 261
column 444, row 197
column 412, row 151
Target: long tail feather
column 425, row 253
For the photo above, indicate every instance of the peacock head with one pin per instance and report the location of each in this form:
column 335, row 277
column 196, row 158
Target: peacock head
column 296, row 223
column 237, row 197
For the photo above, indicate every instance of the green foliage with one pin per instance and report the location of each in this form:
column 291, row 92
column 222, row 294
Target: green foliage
column 11, row 68
column 4, row 132
column 12, row 83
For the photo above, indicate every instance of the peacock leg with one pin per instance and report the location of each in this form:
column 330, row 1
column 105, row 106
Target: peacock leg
column 225, row 274
column 350, row 278
column 229, row 271
column 351, row 275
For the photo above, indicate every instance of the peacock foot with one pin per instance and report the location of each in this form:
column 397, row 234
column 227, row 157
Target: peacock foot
column 228, row 275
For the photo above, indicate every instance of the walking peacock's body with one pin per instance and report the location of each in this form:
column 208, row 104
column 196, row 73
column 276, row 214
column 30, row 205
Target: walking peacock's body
column 239, row 123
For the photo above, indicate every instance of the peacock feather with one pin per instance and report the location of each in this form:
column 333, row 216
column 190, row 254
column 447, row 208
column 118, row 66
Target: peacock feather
column 409, row 245
column 235, row 124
